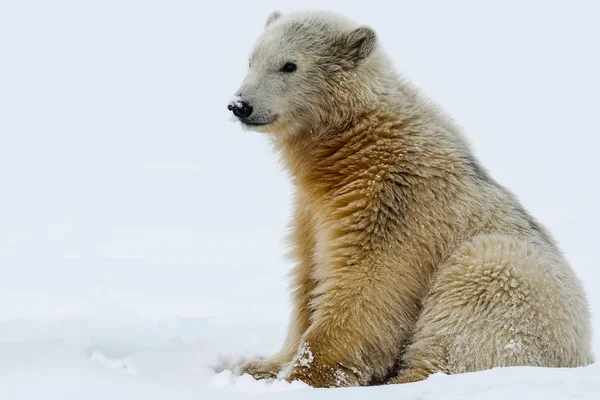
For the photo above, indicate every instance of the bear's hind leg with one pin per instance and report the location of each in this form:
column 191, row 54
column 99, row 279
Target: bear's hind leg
column 499, row 302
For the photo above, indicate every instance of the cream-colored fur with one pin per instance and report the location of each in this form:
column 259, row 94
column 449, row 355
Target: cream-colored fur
column 410, row 258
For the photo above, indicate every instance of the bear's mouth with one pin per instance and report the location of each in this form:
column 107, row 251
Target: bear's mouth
column 251, row 122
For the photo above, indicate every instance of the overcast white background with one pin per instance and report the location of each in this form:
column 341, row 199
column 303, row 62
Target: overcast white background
column 126, row 194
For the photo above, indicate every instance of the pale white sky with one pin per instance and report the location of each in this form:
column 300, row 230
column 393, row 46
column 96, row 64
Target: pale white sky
column 123, row 179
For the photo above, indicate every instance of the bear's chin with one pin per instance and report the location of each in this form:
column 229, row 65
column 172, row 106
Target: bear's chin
column 265, row 128
column 274, row 127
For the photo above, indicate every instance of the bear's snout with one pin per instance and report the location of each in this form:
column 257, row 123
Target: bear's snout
column 240, row 109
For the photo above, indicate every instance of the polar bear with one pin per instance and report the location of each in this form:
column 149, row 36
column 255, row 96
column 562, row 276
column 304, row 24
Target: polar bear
column 410, row 258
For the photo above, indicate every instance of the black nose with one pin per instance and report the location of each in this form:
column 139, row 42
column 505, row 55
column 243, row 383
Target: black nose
column 240, row 109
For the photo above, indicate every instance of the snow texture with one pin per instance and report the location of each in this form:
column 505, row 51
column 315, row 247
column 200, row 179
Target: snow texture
column 140, row 231
column 236, row 100
column 306, row 356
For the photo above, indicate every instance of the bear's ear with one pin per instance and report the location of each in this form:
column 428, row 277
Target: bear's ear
column 360, row 43
column 272, row 18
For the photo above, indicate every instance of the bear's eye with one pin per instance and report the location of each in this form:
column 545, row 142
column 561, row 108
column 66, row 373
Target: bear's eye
column 249, row 63
column 289, row 67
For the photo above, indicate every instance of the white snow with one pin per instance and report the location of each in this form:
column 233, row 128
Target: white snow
column 140, row 231
column 305, row 355
column 237, row 100
column 118, row 364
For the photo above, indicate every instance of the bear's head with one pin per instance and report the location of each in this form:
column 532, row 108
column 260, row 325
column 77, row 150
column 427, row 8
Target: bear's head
column 308, row 72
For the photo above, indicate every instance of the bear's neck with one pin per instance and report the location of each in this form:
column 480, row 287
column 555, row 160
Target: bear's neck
column 371, row 145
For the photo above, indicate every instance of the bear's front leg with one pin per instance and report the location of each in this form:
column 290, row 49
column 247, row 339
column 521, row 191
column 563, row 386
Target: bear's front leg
column 360, row 322
column 261, row 369
column 350, row 343
column 318, row 368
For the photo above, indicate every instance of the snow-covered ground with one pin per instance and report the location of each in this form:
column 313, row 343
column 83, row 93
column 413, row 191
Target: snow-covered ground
column 140, row 230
